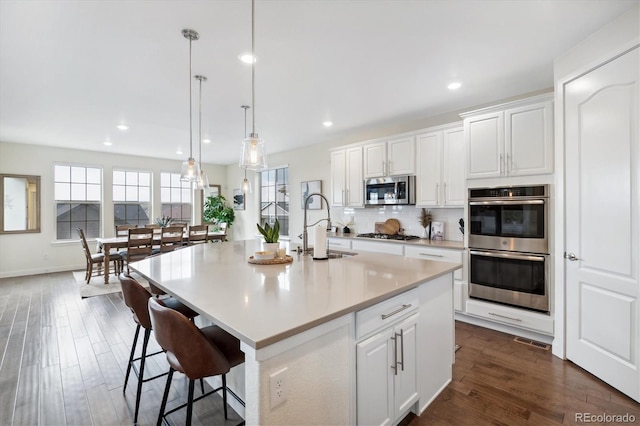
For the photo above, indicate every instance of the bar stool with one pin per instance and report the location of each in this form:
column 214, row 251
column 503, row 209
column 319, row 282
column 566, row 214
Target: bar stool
column 136, row 297
column 195, row 352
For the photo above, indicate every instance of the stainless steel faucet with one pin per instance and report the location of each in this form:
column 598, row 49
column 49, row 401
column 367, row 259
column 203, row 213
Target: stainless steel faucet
column 305, row 235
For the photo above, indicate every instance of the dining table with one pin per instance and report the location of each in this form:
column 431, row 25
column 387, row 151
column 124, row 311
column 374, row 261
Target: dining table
column 107, row 244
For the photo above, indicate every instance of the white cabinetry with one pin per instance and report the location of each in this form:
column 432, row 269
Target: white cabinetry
column 390, row 158
column 386, row 362
column 346, row 177
column 514, row 139
column 440, row 171
column 378, row 247
column 445, row 255
column 338, row 243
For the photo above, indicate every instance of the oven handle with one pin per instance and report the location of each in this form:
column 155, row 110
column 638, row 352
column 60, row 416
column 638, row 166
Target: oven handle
column 508, row 256
column 505, row 202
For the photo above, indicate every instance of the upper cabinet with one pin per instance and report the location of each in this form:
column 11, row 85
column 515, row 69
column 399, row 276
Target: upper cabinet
column 440, row 168
column 513, row 139
column 390, row 158
column 347, row 185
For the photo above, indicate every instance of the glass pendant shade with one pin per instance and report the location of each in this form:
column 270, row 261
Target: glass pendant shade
column 254, row 156
column 246, row 186
column 190, row 170
column 203, row 181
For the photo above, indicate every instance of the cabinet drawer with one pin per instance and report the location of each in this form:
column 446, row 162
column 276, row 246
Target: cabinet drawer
column 437, row 254
column 339, row 243
column 378, row 247
column 388, row 312
column 524, row 319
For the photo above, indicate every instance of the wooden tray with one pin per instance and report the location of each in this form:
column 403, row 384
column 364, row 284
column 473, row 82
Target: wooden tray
column 274, row 261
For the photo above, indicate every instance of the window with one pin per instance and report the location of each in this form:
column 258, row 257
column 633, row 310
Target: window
column 131, row 197
column 78, row 197
column 175, row 197
column 274, row 198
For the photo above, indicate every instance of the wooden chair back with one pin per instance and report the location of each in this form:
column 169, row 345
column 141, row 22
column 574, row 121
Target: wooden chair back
column 198, row 234
column 139, row 244
column 85, row 246
column 123, row 230
column 171, row 238
column 157, row 229
column 136, row 298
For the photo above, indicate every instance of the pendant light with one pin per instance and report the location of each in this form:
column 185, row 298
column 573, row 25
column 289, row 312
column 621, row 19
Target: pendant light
column 190, row 169
column 254, row 156
column 246, row 185
column 203, row 181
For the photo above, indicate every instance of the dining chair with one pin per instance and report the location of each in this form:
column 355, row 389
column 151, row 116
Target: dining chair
column 198, row 234
column 139, row 245
column 136, row 298
column 97, row 258
column 123, row 230
column 171, row 238
column 195, row 352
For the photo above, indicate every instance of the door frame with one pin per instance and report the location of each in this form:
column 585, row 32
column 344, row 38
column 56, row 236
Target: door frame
column 559, row 235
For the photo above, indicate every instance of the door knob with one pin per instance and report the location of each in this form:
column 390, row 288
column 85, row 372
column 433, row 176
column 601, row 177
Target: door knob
column 572, row 257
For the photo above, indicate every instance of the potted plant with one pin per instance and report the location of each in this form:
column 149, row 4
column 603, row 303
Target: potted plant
column 217, row 211
column 164, row 221
column 271, row 235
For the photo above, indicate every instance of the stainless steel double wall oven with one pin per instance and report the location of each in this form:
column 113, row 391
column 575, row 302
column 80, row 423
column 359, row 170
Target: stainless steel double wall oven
column 509, row 245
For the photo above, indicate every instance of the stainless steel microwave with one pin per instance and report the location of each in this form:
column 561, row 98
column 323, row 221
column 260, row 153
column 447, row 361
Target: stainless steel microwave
column 392, row 190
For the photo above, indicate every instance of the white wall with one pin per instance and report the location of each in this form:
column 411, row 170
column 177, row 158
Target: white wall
column 613, row 39
column 25, row 254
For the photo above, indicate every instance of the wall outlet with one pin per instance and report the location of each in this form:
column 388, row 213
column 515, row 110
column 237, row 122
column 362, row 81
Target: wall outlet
column 278, row 387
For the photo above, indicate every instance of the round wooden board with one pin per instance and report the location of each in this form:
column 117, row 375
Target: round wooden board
column 274, row 261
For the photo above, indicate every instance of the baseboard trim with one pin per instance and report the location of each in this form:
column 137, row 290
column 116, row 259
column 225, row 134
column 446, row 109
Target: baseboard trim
column 39, row 271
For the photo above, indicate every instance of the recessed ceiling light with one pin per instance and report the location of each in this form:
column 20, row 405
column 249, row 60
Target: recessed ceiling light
column 179, row 152
column 108, row 142
column 455, row 85
column 247, row 58
column 327, row 123
column 206, row 140
column 122, row 127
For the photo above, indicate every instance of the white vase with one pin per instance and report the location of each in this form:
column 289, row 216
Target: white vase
column 272, row 247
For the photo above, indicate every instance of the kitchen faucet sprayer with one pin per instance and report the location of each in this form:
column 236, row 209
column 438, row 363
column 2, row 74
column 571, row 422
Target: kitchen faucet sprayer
column 305, row 235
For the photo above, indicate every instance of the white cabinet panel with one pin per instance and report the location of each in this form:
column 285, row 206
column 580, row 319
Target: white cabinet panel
column 390, row 158
column 378, row 247
column 346, row 177
column 375, row 160
column 484, row 135
column 374, row 384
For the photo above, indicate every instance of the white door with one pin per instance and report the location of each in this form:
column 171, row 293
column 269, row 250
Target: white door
column 454, row 167
column 603, row 222
column 338, row 175
column 529, row 139
column 401, row 155
column 484, row 135
column 428, row 169
column 375, row 160
column 405, row 379
column 354, row 185
column 374, row 381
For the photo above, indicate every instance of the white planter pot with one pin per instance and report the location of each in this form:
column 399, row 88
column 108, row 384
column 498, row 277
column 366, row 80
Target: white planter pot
column 272, row 247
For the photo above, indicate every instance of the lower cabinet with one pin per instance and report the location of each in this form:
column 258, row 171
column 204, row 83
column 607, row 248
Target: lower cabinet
column 387, row 361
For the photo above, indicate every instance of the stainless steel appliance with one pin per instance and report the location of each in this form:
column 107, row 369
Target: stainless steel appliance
column 508, row 245
column 390, row 190
column 382, row 236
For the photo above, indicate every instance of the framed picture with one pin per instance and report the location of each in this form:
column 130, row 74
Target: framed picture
column 309, row 187
column 238, row 199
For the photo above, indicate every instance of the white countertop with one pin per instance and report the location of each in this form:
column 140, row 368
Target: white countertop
column 457, row 245
column 263, row 304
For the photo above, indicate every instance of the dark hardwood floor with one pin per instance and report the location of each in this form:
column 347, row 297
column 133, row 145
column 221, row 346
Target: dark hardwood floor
column 63, row 360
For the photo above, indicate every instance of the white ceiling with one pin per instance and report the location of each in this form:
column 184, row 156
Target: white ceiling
column 70, row 71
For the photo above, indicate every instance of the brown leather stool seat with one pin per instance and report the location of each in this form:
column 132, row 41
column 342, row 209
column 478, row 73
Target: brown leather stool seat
column 136, row 297
column 195, row 352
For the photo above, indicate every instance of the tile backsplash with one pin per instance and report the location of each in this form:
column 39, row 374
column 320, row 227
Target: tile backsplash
column 363, row 220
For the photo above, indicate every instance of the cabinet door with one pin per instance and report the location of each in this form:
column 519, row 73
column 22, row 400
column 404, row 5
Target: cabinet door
column 354, row 185
column 406, row 377
column 375, row 160
column 484, row 137
column 338, row 173
column 374, row 379
column 428, row 169
column 529, row 139
column 401, row 156
column 453, row 174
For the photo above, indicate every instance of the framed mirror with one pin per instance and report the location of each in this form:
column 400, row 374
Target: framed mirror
column 20, row 204
column 213, row 191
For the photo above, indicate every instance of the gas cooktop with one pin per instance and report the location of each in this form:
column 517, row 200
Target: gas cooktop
column 382, row 236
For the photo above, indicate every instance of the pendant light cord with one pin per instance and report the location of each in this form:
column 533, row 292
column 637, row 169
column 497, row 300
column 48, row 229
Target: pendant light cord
column 190, row 105
column 245, row 107
column 200, row 78
column 253, row 71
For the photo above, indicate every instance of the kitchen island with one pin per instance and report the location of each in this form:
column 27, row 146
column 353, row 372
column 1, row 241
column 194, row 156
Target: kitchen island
column 306, row 322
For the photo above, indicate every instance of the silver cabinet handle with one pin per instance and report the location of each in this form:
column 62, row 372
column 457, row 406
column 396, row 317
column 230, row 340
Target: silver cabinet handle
column 501, row 163
column 389, row 167
column 384, row 168
column 508, row 164
column 401, row 348
column 504, row 316
column 445, row 193
column 400, row 309
column 572, row 257
column 429, row 254
column 437, row 193
column 346, row 197
column 394, row 367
